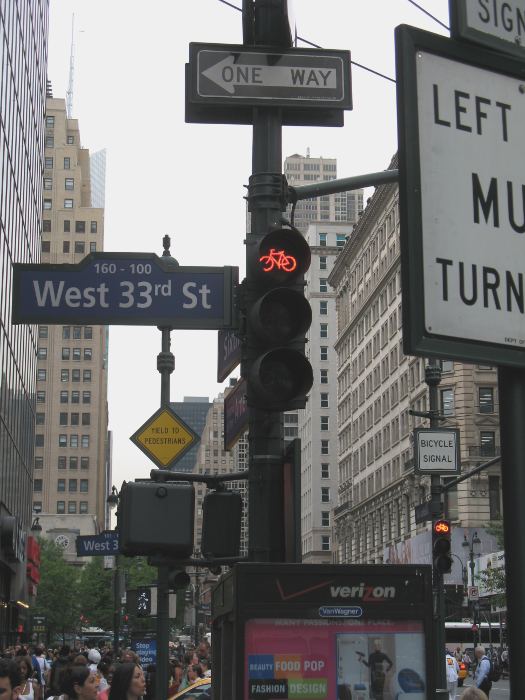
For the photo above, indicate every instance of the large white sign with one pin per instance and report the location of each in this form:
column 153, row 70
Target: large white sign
column 472, row 155
column 436, row 451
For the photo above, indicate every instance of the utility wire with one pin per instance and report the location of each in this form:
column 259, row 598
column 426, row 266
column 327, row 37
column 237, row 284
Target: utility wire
column 316, row 46
column 428, row 14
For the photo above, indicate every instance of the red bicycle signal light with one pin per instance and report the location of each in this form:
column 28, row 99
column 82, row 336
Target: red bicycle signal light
column 282, row 255
column 442, row 527
column 278, row 259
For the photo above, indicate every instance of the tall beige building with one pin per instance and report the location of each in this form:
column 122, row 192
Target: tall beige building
column 72, row 454
column 378, row 386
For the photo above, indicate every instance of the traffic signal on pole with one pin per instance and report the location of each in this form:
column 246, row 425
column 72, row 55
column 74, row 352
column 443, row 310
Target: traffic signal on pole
column 278, row 316
column 442, row 546
column 144, row 601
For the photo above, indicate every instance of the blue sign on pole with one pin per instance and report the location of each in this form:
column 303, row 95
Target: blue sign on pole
column 146, row 649
column 104, row 545
column 126, row 289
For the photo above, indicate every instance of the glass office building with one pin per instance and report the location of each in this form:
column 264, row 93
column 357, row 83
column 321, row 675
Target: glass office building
column 23, row 47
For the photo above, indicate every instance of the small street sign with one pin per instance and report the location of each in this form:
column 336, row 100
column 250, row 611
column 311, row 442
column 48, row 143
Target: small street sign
column 228, row 353
column 461, row 152
column 39, row 624
column 423, row 512
column 496, row 25
column 124, row 288
column 236, row 414
column 165, row 437
column 98, row 545
column 473, row 593
column 310, row 85
column 436, row 451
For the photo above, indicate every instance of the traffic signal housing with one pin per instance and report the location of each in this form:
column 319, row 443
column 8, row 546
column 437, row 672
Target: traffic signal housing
column 278, row 315
column 442, row 546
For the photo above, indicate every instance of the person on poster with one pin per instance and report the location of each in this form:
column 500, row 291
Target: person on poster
column 376, row 665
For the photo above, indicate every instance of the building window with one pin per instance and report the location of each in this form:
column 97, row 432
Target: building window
column 323, row 262
column 73, row 440
column 323, row 308
column 77, row 354
column 325, row 518
column 84, row 462
column 64, row 375
column 66, row 332
column 77, row 332
column 40, row 396
column 86, row 419
column 88, row 354
column 75, row 375
column 75, row 397
column 61, row 485
column 46, row 226
column 73, row 462
column 67, row 226
column 61, row 506
column 323, row 376
column 41, row 375
column 80, row 227
column 324, row 423
column 340, row 239
column 42, row 353
column 323, row 330
column 70, row 139
column 64, row 397
column 86, row 397
column 447, row 366
column 39, row 462
column 37, row 506
column 43, row 331
column 67, row 163
column 92, row 247
column 69, row 183
column 66, row 353
column 37, row 485
column 73, row 485
column 48, row 163
column 61, row 462
column 50, row 122
column 63, row 419
column 325, row 470
column 46, row 246
column 325, row 543
column 84, row 485
column 48, row 185
column 323, row 284
column 325, row 494
column 68, row 203
column 447, row 402
column 486, row 399
column 39, row 439
column 84, row 441
column 323, row 352
column 75, row 418
column 322, row 239
column 494, row 498
column 487, row 443
column 62, row 440
column 50, row 142
column 65, row 246
column 83, row 507
column 324, row 447
column 93, row 227
column 71, row 506
column 324, row 400
column 86, row 375
column 80, row 247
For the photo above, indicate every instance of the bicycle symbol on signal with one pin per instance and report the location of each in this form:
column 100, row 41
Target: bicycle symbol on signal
column 278, row 259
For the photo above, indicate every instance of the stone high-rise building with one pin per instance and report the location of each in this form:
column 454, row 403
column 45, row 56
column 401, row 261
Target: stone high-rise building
column 72, row 457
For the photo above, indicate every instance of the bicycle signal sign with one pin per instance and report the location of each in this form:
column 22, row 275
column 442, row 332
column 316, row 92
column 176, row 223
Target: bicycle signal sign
column 278, row 259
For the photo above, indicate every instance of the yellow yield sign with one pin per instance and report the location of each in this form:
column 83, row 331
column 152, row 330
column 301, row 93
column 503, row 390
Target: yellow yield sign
column 165, row 437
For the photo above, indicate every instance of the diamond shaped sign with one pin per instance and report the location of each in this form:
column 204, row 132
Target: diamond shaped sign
column 165, row 437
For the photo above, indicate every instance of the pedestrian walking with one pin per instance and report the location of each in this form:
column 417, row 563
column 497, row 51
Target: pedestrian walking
column 9, row 679
column 473, row 693
column 128, row 682
column 452, row 671
column 481, row 675
column 79, row 683
column 28, row 685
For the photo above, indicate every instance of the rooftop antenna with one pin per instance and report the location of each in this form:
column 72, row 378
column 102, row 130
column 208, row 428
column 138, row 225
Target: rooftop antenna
column 69, row 93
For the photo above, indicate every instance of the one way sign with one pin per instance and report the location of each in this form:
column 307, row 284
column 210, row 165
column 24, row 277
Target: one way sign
column 229, row 74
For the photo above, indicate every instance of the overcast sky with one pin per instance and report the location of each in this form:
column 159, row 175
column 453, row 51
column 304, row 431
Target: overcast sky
column 186, row 180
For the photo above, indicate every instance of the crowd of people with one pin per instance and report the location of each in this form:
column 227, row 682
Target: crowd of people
column 95, row 674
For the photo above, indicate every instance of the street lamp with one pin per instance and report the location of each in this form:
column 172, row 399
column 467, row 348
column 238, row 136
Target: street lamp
column 473, row 543
column 35, row 525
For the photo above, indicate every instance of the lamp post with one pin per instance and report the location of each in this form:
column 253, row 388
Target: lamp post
column 473, row 543
column 112, row 501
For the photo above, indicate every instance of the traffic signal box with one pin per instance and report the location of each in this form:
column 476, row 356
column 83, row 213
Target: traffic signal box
column 277, row 318
column 442, row 546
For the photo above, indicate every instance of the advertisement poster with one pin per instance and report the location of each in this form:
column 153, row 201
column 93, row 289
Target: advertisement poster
column 334, row 659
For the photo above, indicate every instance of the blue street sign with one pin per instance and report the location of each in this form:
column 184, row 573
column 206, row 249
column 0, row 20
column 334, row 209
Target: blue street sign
column 126, row 289
column 146, row 649
column 105, row 544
